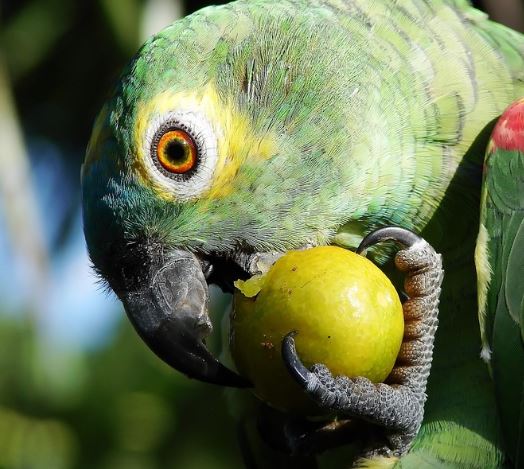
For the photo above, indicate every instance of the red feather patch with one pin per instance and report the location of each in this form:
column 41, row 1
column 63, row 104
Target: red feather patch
column 508, row 133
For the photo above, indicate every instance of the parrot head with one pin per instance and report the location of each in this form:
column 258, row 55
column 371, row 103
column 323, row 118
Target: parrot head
column 218, row 149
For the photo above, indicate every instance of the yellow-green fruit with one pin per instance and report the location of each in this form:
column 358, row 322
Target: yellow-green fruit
column 346, row 312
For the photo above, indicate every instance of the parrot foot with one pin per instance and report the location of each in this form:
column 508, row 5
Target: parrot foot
column 396, row 406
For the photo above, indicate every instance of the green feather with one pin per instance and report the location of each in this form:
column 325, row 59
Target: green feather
column 503, row 218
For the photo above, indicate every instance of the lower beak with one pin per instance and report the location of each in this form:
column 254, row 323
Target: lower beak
column 168, row 309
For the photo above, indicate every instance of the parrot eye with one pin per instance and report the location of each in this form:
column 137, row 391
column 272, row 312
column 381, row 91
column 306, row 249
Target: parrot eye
column 176, row 151
column 182, row 150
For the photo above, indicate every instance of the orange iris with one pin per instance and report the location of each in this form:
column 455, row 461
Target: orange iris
column 176, row 151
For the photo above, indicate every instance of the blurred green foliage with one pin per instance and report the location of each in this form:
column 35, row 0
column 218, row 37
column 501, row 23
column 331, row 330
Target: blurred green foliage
column 117, row 408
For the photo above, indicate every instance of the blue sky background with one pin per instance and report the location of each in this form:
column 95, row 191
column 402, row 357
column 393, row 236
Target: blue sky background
column 75, row 311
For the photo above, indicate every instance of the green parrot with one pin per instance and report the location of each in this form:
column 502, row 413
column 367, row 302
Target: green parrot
column 500, row 266
column 249, row 129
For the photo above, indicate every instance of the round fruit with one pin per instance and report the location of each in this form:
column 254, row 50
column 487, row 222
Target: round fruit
column 346, row 313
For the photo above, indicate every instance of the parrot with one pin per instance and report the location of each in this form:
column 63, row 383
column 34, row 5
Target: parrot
column 500, row 266
column 249, row 129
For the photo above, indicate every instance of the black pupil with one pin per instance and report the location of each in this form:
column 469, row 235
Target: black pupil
column 176, row 151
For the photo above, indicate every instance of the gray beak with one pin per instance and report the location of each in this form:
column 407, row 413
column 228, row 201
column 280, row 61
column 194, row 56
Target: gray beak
column 168, row 308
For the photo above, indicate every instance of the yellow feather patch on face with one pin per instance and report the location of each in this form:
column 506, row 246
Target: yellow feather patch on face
column 235, row 139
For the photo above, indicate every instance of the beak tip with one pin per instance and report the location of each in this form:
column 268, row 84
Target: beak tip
column 226, row 377
column 170, row 314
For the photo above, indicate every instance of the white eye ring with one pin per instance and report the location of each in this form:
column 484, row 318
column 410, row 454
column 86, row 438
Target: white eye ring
column 191, row 184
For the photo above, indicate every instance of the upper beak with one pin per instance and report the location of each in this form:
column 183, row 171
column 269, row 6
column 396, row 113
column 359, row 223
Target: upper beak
column 168, row 308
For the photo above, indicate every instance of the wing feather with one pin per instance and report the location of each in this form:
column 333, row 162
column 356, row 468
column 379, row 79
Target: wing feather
column 501, row 292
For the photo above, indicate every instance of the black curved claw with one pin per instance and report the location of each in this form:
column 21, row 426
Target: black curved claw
column 395, row 409
column 389, row 233
column 292, row 360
